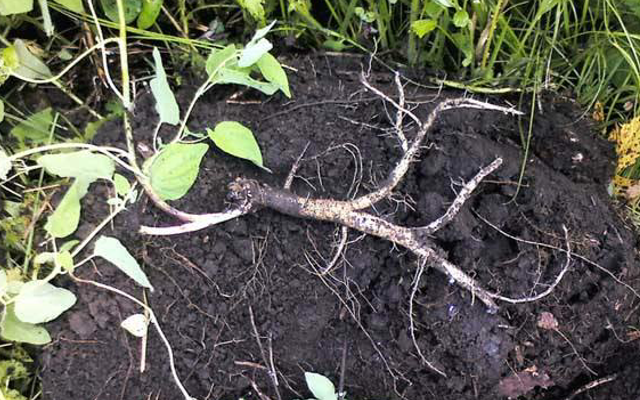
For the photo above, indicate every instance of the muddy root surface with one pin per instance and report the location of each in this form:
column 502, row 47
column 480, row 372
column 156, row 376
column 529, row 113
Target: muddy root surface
column 508, row 236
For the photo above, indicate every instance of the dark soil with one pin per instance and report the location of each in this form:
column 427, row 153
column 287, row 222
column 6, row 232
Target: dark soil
column 207, row 282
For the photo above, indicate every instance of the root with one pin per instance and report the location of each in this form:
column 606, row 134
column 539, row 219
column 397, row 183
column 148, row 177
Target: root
column 248, row 195
column 551, row 287
column 414, row 290
column 268, row 360
column 578, row 256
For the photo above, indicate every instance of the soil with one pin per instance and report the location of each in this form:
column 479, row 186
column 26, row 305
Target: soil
column 208, row 283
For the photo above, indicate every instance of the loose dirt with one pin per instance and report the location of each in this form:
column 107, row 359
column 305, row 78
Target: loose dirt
column 207, row 282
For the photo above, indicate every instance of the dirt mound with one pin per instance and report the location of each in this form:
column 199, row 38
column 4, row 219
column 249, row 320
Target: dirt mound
column 510, row 237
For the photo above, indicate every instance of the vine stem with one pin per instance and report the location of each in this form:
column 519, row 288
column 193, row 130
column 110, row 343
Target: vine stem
column 126, row 89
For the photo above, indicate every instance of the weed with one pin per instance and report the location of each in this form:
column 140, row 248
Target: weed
column 30, row 301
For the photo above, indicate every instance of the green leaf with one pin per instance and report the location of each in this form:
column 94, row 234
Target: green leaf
column 81, row 164
column 320, row 386
column 272, row 71
column 166, row 104
column 15, row 330
column 29, row 65
column 464, row 44
column 5, row 165
column 217, row 60
column 335, row 45
column 150, row 11
column 9, row 7
column 423, row 26
column 444, row 3
column 121, row 184
column 132, row 9
column 236, row 139
column 241, row 77
column 1, row 110
column 73, row 5
column 67, row 246
column 461, row 19
column 64, row 220
column 8, row 63
column 65, row 55
column 35, row 128
column 253, row 52
column 260, row 33
column 255, row 8
column 64, row 260
column 113, row 251
column 40, row 301
column 365, row 16
column 175, row 169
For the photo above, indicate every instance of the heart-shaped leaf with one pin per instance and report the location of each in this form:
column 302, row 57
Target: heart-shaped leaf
column 40, row 301
column 15, row 330
column 175, row 169
column 236, row 139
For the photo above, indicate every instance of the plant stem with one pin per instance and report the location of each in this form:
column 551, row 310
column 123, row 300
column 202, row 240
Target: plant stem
column 126, row 89
column 412, row 50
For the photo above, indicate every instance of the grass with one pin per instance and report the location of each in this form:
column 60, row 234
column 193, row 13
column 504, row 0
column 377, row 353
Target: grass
column 589, row 49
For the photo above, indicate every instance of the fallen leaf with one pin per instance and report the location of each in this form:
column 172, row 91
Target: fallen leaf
column 547, row 321
column 519, row 384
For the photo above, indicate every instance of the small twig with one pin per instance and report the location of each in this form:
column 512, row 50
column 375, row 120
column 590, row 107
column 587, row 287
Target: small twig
column 400, row 114
column 343, row 370
column 414, row 290
column 255, row 387
column 379, row 93
column 265, row 359
column 575, row 351
column 294, row 168
column 592, row 385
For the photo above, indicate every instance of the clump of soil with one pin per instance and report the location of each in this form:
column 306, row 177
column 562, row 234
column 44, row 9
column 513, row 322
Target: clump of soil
column 208, row 283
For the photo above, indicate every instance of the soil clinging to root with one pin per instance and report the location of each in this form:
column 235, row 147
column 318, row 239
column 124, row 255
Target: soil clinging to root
column 264, row 272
